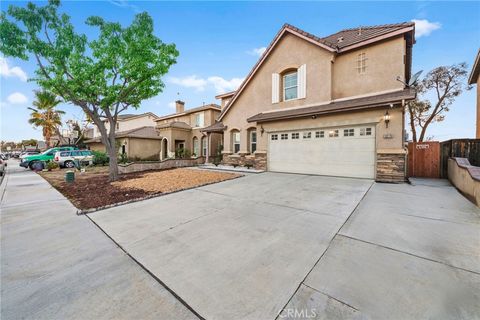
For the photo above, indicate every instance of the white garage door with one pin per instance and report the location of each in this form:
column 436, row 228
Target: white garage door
column 344, row 152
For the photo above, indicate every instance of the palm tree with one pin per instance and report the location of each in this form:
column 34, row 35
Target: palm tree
column 44, row 114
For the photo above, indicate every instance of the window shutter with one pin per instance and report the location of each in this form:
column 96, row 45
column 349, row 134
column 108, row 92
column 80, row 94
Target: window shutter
column 275, row 88
column 302, row 81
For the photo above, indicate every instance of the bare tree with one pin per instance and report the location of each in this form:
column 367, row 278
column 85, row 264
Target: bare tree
column 444, row 84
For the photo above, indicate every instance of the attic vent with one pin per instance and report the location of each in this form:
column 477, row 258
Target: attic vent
column 340, row 40
column 360, row 31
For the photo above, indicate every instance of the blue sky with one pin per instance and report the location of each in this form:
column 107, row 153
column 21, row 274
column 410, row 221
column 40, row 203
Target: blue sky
column 219, row 43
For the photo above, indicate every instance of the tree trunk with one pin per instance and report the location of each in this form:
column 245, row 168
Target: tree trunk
column 112, row 154
column 412, row 124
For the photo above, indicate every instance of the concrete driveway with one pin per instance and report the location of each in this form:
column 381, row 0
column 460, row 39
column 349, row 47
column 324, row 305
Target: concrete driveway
column 309, row 247
column 237, row 249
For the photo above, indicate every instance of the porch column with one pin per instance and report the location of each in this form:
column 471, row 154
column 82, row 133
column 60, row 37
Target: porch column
column 207, row 156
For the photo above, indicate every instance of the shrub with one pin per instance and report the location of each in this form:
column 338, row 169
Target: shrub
column 183, row 153
column 100, row 158
column 52, row 165
column 122, row 158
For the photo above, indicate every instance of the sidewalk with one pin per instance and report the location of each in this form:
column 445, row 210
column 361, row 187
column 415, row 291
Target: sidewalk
column 57, row 265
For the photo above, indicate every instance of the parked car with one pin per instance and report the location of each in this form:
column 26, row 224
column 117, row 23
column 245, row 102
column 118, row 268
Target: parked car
column 46, row 156
column 68, row 159
column 3, row 166
column 28, row 153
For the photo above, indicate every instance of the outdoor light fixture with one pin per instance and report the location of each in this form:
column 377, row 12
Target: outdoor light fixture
column 262, row 130
column 386, row 118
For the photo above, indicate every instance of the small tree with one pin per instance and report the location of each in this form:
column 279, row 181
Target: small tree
column 445, row 84
column 104, row 77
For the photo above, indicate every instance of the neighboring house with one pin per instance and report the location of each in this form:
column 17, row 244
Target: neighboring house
column 182, row 130
column 135, row 135
column 328, row 106
column 475, row 79
column 141, row 143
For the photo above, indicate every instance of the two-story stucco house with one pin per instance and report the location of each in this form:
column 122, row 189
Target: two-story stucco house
column 474, row 78
column 182, row 130
column 327, row 106
column 135, row 135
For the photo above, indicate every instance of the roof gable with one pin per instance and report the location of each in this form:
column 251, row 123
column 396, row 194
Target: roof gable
column 350, row 39
column 475, row 70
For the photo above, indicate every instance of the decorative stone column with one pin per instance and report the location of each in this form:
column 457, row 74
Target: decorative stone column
column 391, row 166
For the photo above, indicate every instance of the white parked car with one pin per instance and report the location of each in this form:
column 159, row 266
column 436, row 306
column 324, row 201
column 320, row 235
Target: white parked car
column 67, row 159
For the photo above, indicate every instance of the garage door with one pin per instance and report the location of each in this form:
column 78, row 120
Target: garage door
column 344, row 152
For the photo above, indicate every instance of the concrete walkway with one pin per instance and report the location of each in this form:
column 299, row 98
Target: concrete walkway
column 57, row 265
column 407, row 252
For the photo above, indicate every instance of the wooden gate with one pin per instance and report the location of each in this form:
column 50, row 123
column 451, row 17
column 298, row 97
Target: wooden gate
column 424, row 159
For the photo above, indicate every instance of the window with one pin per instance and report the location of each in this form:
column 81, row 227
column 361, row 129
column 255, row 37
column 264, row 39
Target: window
column 196, row 147
column 290, row 86
column 348, row 132
column 307, row 135
column 199, row 120
column 204, row 146
column 64, row 154
column 117, row 125
column 295, row 135
column 333, row 133
column 86, row 153
column 361, row 63
column 236, row 141
column 319, row 134
column 284, row 136
column 274, row 137
column 365, row 131
column 253, row 141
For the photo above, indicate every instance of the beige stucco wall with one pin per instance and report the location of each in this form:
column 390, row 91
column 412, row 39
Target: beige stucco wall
column 143, row 148
column 385, row 61
column 478, row 108
column 130, row 124
column 97, row 146
column 209, row 118
column 461, row 179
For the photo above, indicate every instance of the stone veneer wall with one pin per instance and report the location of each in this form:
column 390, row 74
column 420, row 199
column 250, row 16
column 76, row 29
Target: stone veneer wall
column 257, row 160
column 390, row 167
column 159, row 165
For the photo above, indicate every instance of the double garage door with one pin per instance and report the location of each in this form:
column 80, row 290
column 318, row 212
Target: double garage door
column 343, row 151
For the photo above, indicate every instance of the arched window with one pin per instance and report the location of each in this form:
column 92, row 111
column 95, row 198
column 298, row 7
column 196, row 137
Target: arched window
column 196, row 147
column 204, row 146
column 236, row 141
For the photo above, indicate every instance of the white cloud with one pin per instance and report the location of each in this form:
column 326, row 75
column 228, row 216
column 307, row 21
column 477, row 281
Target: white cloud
column 125, row 4
column 221, row 85
column 257, row 51
column 7, row 71
column 192, row 81
column 423, row 27
column 17, row 98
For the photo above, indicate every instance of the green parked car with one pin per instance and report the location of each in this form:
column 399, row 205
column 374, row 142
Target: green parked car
column 38, row 160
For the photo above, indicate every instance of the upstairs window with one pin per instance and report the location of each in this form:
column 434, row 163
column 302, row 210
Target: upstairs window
column 199, row 120
column 361, row 63
column 290, row 86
